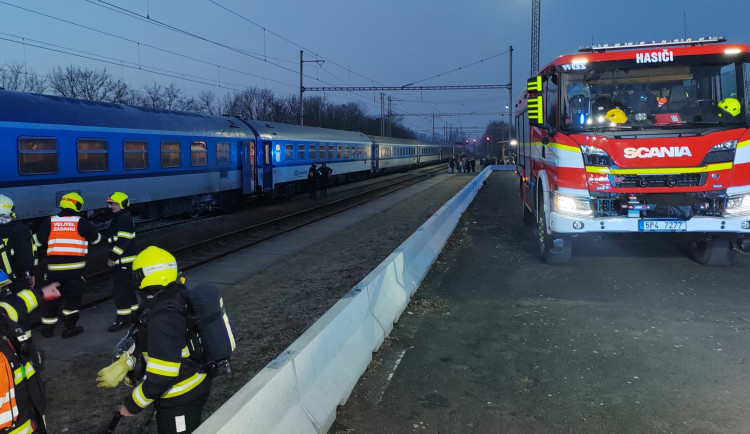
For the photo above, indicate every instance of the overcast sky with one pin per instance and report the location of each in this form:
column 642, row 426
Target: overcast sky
column 225, row 45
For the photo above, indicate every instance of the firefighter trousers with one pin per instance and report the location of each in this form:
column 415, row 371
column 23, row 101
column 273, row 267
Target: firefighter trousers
column 71, row 293
column 123, row 291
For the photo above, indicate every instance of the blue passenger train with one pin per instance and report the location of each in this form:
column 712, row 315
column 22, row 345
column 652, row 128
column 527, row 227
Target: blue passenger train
column 172, row 162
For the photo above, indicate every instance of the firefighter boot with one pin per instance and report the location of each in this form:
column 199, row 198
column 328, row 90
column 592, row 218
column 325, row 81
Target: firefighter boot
column 70, row 331
column 118, row 325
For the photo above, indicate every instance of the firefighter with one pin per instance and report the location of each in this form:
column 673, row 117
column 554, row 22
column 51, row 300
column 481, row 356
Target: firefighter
column 23, row 361
column 67, row 236
column 121, row 241
column 173, row 379
column 16, row 248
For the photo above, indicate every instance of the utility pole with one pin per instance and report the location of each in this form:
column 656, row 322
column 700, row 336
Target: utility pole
column 510, row 88
column 302, row 87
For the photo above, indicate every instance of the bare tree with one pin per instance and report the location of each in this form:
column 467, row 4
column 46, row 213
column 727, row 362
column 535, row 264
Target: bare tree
column 207, row 103
column 154, row 95
column 82, row 83
column 16, row 76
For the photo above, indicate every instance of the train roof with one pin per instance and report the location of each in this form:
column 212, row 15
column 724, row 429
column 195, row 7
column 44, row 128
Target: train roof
column 381, row 140
column 48, row 109
column 275, row 131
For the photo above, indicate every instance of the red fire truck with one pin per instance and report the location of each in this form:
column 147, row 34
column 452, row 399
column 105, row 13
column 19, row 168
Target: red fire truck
column 639, row 138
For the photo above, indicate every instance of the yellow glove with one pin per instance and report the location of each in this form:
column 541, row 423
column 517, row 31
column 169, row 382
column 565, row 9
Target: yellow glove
column 114, row 373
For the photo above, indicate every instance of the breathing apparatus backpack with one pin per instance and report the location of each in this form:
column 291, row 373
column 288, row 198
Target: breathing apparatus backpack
column 209, row 319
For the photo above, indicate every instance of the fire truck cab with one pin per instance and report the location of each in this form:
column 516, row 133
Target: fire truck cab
column 642, row 137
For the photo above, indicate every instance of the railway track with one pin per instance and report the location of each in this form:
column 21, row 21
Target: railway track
column 286, row 218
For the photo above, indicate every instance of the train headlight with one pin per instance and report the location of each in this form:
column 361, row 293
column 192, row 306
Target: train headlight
column 572, row 204
column 737, row 205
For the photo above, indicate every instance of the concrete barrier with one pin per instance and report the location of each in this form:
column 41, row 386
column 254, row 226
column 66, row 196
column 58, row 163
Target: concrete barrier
column 299, row 391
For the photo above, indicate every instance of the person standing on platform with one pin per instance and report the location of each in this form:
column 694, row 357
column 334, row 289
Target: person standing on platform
column 312, row 181
column 16, row 248
column 67, row 236
column 121, row 242
column 24, row 404
column 325, row 175
column 172, row 377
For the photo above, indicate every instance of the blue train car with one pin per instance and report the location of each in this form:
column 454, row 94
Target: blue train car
column 52, row 146
column 171, row 162
column 285, row 152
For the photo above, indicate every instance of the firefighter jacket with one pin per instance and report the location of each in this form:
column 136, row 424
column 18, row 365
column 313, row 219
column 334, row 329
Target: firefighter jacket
column 164, row 340
column 16, row 250
column 26, row 383
column 121, row 238
column 67, row 236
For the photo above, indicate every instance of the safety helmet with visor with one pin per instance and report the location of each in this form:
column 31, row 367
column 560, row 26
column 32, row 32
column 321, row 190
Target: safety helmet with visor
column 731, row 106
column 119, row 198
column 6, row 209
column 72, row 201
column 154, row 267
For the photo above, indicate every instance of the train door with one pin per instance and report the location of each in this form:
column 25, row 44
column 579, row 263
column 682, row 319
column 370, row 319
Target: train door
column 267, row 165
column 375, row 159
column 248, row 166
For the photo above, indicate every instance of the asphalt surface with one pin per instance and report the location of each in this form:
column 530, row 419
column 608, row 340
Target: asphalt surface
column 631, row 336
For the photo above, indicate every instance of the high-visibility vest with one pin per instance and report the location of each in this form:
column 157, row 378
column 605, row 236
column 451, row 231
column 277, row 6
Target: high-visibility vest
column 8, row 406
column 64, row 239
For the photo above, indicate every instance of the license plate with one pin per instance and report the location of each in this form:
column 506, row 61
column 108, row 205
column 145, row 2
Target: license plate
column 662, row 225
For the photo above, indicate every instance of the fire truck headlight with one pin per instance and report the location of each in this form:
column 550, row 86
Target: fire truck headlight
column 726, row 146
column 593, row 156
column 572, row 204
column 737, row 205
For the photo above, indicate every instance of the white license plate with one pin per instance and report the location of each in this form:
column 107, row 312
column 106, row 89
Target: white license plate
column 662, row 225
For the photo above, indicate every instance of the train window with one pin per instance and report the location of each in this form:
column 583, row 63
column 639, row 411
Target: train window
column 289, row 152
column 338, row 151
column 330, row 152
column 134, row 155
column 301, row 152
column 313, row 152
column 170, row 154
column 37, row 156
column 93, row 155
column 346, row 152
column 198, row 154
column 359, row 151
column 223, row 155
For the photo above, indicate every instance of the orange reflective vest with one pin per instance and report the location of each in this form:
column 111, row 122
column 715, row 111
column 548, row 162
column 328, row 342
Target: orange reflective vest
column 64, row 239
column 8, row 406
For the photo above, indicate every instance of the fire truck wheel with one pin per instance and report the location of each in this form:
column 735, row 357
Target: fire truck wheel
column 714, row 252
column 552, row 250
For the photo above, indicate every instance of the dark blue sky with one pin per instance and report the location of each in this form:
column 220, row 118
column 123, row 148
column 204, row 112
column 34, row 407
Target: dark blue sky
column 225, row 45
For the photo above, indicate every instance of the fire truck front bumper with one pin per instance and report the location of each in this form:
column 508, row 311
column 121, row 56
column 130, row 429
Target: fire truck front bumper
column 573, row 224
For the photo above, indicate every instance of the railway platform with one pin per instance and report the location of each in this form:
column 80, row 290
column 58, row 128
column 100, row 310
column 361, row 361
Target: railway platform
column 234, row 273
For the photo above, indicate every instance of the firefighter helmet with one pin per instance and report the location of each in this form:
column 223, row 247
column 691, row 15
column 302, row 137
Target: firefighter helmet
column 616, row 116
column 154, row 267
column 731, row 106
column 119, row 198
column 6, row 207
column 72, row 201
column 4, row 279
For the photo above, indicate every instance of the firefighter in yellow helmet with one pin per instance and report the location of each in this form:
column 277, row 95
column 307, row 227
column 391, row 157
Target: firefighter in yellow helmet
column 731, row 106
column 121, row 242
column 23, row 409
column 16, row 247
column 172, row 377
column 66, row 236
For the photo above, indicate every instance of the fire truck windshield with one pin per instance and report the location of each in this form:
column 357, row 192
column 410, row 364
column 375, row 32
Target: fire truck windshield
column 691, row 91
